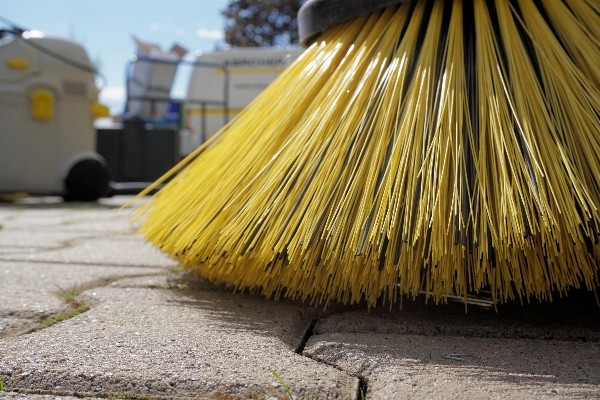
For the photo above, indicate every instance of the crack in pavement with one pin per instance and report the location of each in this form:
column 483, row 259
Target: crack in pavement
column 361, row 392
column 25, row 325
column 309, row 332
column 362, row 389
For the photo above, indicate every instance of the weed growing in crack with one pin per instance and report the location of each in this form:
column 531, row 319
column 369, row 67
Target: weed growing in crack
column 69, row 295
column 1, row 385
column 64, row 316
column 288, row 394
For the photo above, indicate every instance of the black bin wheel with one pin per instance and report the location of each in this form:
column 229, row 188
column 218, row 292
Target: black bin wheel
column 88, row 180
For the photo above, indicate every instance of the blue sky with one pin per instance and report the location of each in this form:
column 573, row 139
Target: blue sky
column 105, row 28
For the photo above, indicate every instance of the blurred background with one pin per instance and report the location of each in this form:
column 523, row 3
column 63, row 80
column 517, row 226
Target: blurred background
column 169, row 74
column 105, row 28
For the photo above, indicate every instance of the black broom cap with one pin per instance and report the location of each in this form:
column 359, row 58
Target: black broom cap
column 316, row 16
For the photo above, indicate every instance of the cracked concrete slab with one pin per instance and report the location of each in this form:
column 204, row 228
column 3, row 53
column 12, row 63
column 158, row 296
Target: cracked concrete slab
column 549, row 350
column 172, row 343
column 30, row 292
column 45, row 245
column 444, row 367
column 26, row 287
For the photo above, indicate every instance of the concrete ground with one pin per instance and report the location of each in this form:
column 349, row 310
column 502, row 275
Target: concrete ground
column 89, row 310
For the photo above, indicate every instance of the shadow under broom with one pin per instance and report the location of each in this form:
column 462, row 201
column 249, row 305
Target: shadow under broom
column 426, row 145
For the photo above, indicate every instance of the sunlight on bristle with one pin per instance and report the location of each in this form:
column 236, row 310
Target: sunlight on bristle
column 439, row 147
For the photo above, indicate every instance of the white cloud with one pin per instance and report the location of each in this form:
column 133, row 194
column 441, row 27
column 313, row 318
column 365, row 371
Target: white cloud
column 209, row 33
column 155, row 26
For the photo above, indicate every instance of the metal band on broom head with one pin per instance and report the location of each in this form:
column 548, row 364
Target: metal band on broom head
column 430, row 146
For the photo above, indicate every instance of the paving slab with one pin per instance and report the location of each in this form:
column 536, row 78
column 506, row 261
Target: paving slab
column 115, row 251
column 173, row 343
column 46, row 231
column 66, row 233
column 449, row 367
column 41, row 216
column 31, row 292
column 47, row 246
column 441, row 352
column 20, row 244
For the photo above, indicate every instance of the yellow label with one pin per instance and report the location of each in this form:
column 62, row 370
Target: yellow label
column 99, row 110
column 42, row 105
column 17, row 63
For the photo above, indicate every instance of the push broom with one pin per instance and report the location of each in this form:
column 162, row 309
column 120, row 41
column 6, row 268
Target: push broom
column 416, row 146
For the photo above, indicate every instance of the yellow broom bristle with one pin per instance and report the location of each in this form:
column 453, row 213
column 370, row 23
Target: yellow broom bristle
column 437, row 146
